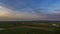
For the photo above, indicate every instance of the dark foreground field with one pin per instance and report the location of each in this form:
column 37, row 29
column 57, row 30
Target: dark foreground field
column 18, row 27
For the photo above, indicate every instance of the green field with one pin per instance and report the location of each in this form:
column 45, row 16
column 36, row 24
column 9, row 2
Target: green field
column 24, row 28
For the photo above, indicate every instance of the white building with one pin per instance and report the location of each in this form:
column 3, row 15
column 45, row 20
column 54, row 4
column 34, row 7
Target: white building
column 55, row 25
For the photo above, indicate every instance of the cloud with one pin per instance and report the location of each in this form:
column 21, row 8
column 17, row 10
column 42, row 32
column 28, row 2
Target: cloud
column 8, row 14
column 53, row 16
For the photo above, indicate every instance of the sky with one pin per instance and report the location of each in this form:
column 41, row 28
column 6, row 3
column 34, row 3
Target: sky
column 29, row 10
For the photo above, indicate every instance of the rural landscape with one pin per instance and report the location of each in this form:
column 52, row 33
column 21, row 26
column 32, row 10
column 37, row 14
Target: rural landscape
column 29, row 16
column 29, row 27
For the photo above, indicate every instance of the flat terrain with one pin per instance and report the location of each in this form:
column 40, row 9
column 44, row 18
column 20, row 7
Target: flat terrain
column 29, row 28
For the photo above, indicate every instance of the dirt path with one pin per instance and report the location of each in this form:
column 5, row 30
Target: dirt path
column 41, row 28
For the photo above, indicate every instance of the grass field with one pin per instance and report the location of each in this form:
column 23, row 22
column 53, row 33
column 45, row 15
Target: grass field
column 24, row 28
